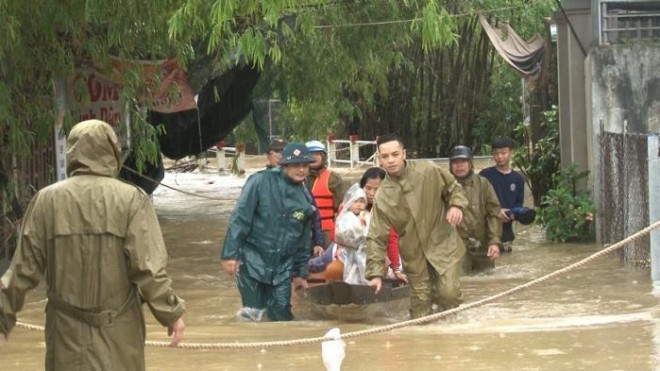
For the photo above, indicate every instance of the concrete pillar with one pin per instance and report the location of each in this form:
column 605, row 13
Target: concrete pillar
column 201, row 161
column 58, row 131
column 332, row 149
column 573, row 106
column 220, row 159
column 355, row 151
column 240, row 154
column 654, row 204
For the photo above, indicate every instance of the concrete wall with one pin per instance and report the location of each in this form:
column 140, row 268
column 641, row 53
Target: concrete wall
column 573, row 118
column 654, row 207
column 623, row 86
column 609, row 99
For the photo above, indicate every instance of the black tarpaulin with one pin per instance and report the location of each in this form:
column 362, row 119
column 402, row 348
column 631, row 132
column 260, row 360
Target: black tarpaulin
column 222, row 103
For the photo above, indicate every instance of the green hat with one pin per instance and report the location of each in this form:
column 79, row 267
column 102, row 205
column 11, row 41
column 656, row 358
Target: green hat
column 296, row 153
column 277, row 144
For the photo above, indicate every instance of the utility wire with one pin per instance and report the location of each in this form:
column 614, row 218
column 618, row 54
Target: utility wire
column 398, row 21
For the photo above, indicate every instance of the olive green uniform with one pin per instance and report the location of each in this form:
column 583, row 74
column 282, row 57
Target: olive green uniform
column 97, row 242
column 416, row 204
column 481, row 226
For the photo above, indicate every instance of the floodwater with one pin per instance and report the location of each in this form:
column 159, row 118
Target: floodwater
column 600, row 317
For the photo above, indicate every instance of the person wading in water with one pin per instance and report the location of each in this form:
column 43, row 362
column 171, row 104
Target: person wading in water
column 423, row 203
column 97, row 242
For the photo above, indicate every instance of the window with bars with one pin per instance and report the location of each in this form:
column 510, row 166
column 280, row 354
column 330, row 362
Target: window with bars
column 622, row 22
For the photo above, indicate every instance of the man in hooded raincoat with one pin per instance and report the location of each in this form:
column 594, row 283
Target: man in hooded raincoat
column 424, row 204
column 97, row 242
column 481, row 227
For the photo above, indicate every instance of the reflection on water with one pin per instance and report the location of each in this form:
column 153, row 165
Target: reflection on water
column 601, row 317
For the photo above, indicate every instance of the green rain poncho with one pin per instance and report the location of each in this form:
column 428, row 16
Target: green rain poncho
column 97, row 242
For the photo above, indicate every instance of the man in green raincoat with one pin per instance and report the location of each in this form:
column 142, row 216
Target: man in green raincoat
column 268, row 242
column 97, row 242
column 481, row 227
column 423, row 203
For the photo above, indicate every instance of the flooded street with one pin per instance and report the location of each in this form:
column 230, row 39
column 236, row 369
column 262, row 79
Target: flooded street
column 600, row 317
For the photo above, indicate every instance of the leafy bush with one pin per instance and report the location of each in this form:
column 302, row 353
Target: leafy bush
column 540, row 163
column 566, row 213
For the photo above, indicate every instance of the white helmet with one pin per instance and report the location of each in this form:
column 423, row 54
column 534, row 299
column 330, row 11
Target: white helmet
column 315, row 146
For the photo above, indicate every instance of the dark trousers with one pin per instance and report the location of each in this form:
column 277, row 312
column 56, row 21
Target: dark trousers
column 276, row 299
column 507, row 232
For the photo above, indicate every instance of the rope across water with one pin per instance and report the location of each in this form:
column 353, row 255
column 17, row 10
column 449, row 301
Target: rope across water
column 417, row 321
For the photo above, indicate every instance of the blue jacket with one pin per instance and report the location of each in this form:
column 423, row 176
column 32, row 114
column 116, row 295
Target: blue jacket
column 270, row 228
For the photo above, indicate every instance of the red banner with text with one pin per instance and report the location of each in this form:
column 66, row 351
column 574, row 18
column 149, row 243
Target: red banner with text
column 93, row 94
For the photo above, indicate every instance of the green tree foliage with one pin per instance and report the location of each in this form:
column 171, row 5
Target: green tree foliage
column 362, row 71
column 393, row 65
column 341, row 67
column 45, row 42
column 422, row 68
column 568, row 213
column 502, row 110
column 42, row 44
column 540, row 162
column 565, row 209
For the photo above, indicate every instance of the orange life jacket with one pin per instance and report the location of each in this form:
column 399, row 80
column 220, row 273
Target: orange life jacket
column 325, row 202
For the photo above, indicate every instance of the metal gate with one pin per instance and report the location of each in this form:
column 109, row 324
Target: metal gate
column 624, row 198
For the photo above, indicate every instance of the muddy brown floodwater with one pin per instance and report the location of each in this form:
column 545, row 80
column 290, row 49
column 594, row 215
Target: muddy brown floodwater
column 600, row 317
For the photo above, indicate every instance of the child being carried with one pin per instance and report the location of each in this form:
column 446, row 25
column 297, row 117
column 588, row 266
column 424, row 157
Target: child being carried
column 351, row 227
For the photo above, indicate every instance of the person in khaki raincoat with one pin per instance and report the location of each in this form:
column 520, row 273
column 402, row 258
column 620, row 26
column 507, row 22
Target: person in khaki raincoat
column 97, row 242
column 481, row 227
column 424, row 204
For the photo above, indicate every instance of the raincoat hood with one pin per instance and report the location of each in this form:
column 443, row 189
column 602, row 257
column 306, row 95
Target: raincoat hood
column 93, row 148
column 353, row 194
column 351, row 235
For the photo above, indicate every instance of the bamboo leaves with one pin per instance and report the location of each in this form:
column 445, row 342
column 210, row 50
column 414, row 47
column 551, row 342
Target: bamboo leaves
column 436, row 26
column 337, row 62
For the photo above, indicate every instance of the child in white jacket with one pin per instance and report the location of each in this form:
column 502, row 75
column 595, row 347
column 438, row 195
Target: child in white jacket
column 351, row 227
